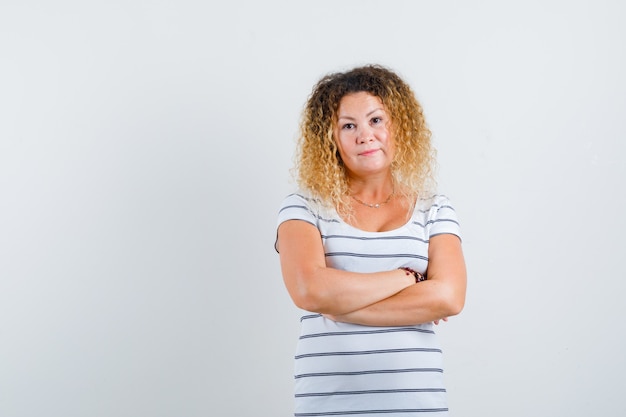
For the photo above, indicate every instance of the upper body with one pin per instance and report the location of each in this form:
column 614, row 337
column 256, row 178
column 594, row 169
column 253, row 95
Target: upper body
column 365, row 154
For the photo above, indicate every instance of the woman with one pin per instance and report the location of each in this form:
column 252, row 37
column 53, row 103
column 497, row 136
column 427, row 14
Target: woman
column 369, row 251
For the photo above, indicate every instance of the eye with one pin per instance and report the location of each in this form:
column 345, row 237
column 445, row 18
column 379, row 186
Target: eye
column 377, row 120
column 348, row 126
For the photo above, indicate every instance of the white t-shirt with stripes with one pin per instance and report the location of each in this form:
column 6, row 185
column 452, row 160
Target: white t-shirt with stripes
column 344, row 369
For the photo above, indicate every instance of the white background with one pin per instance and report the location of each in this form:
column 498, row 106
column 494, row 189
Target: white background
column 146, row 145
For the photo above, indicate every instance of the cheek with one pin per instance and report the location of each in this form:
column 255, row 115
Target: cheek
column 386, row 139
column 391, row 145
column 343, row 141
column 340, row 146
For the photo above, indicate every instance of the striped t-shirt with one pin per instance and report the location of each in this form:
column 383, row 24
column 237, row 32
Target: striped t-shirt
column 344, row 369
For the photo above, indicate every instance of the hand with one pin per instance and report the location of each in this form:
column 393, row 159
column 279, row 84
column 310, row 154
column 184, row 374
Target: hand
column 437, row 321
column 331, row 317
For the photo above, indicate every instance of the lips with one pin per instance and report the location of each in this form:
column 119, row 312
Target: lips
column 369, row 152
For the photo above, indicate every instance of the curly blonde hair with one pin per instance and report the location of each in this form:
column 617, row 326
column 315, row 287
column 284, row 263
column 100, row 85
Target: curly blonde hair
column 319, row 167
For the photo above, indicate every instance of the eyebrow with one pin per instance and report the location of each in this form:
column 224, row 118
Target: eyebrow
column 367, row 115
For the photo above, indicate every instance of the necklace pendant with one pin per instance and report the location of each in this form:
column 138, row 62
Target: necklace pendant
column 374, row 205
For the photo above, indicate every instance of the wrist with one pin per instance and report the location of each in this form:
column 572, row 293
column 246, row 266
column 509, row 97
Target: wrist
column 419, row 277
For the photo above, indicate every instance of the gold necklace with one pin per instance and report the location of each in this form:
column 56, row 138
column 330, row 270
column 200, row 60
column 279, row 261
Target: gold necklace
column 375, row 205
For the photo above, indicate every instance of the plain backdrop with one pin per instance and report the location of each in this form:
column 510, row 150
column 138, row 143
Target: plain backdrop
column 145, row 147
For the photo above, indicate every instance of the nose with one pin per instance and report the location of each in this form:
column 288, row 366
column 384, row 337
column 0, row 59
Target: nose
column 365, row 134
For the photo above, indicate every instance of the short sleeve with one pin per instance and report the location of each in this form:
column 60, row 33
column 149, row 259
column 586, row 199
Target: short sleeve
column 443, row 218
column 295, row 207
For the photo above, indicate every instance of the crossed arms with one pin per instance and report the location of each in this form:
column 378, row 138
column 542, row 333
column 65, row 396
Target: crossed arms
column 386, row 298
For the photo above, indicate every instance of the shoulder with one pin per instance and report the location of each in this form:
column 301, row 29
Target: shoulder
column 434, row 201
column 437, row 214
column 301, row 205
column 299, row 200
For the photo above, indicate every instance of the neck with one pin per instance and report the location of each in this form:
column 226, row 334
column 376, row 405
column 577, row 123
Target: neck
column 372, row 187
column 372, row 194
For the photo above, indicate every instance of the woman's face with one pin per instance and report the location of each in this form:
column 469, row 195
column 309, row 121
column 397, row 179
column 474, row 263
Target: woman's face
column 363, row 135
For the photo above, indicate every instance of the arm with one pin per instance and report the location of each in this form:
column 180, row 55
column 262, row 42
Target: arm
column 315, row 287
column 442, row 295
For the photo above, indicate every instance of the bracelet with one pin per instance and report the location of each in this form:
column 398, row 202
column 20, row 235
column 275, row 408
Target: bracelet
column 419, row 277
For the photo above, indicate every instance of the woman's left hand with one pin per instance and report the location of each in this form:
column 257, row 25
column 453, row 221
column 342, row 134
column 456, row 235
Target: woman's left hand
column 331, row 317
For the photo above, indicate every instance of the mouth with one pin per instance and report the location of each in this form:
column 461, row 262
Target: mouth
column 369, row 152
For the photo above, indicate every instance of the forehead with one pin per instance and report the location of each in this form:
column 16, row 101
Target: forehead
column 361, row 100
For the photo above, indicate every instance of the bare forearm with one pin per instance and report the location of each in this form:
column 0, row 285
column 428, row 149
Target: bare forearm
column 314, row 286
column 422, row 303
column 336, row 292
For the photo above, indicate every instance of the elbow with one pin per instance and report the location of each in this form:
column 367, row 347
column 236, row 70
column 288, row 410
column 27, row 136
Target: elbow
column 306, row 302
column 452, row 302
column 306, row 289
column 308, row 298
column 455, row 307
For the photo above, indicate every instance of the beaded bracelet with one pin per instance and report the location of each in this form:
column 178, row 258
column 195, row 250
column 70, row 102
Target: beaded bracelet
column 419, row 277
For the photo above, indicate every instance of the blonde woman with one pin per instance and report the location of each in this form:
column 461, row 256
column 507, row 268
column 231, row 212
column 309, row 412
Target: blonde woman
column 369, row 251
